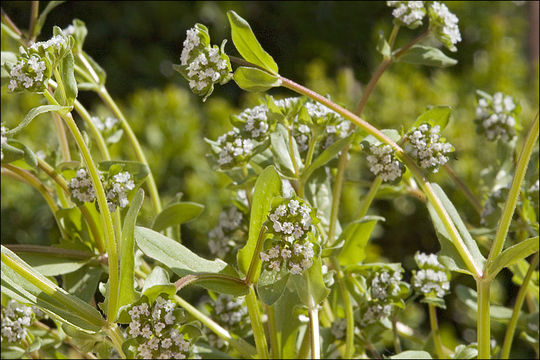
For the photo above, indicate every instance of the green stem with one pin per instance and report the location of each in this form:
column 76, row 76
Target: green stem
column 409, row 162
column 104, row 210
column 60, row 84
column 336, row 194
column 483, row 321
column 117, row 338
column 152, row 187
column 313, row 313
column 511, row 327
column 393, row 36
column 513, row 194
column 244, row 348
column 272, row 331
column 34, row 13
column 349, row 311
column 369, row 197
column 62, row 138
column 435, row 331
column 256, row 324
column 397, row 342
column 311, row 150
column 11, row 29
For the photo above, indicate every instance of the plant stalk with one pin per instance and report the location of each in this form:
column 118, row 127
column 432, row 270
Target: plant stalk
column 313, row 313
column 435, row 331
column 483, row 321
column 369, row 197
column 256, row 324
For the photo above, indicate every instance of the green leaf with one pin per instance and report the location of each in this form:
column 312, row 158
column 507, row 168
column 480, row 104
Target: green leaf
column 280, row 149
column 512, row 255
column 267, row 186
column 412, row 354
column 51, row 265
column 356, row 236
column 35, row 112
column 287, row 322
column 390, row 133
column 327, row 155
column 126, row 288
column 157, row 283
column 177, row 214
column 247, row 45
column 137, row 170
column 23, row 283
column 255, row 80
column 465, row 352
column 11, row 153
column 310, row 285
column 67, row 74
column 438, row 115
column 183, row 261
column 100, row 72
column 383, row 47
column 28, row 155
column 271, row 285
column 227, row 284
column 450, row 257
column 426, row 55
column 83, row 283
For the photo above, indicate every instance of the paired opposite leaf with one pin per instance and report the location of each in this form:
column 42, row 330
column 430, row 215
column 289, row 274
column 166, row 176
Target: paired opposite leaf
column 247, row 45
column 255, row 80
column 177, row 214
column 512, row 255
column 356, row 236
column 438, row 115
column 35, row 112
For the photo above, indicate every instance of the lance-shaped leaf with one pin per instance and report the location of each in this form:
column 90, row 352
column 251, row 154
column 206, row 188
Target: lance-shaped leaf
column 177, row 214
column 426, row 55
column 310, row 285
column 267, row 186
column 247, row 45
column 255, row 80
column 183, row 261
column 21, row 282
column 157, row 283
column 438, row 115
column 67, row 74
column 35, row 112
column 356, row 236
column 327, row 155
column 512, row 255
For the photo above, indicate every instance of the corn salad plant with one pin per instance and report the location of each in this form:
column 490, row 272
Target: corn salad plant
column 288, row 279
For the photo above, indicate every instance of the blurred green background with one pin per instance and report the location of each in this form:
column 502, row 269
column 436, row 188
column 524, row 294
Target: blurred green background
column 328, row 46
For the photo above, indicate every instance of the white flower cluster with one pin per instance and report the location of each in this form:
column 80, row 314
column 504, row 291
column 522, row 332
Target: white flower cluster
column 3, row 140
column 202, row 64
column 444, row 25
column 496, row 117
column 81, row 187
column 256, row 121
column 235, row 149
column 432, row 279
column 375, row 312
column 383, row 163
column 230, row 311
column 16, row 318
column 385, row 285
column 339, row 328
column 153, row 328
column 408, row 13
column 117, row 190
column 56, row 41
column 427, row 146
column 291, row 221
column 29, row 74
column 221, row 237
column 104, row 125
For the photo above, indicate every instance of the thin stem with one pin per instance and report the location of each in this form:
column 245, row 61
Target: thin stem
column 349, row 312
column 369, row 197
column 393, row 36
column 371, row 84
column 272, row 331
column 256, row 324
column 9, row 24
column 409, row 162
column 401, row 51
column 511, row 327
column 466, row 191
column 336, row 194
column 435, row 331
column 89, row 67
column 117, row 338
column 513, row 194
column 313, row 313
column 60, row 85
column 244, row 348
column 483, row 321
column 152, row 187
column 33, row 18
column 311, row 150
column 104, row 210
column 397, row 342
column 255, row 260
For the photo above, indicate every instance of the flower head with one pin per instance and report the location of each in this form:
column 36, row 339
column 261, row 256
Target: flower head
column 30, row 73
column 408, row 13
column 117, row 190
column 230, row 230
column 81, row 187
column 201, row 64
column 444, row 25
column 234, row 149
column 382, row 162
column 428, row 147
column 496, row 116
column 16, row 318
column 432, row 279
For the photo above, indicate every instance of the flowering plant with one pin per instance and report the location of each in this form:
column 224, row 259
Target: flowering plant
column 288, row 278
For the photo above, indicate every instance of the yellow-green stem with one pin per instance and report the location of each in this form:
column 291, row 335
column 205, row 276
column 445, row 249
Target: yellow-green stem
column 370, row 196
column 313, row 313
column 349, row 312
column 435, row 331
column 511, row 327
column 62, row 138
column 104, row 210
column 256, row 324
column 272, row 331
column 255, row 260
column 336, row 194
column 483, row 321
column 117, row 338
column 152, row 187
